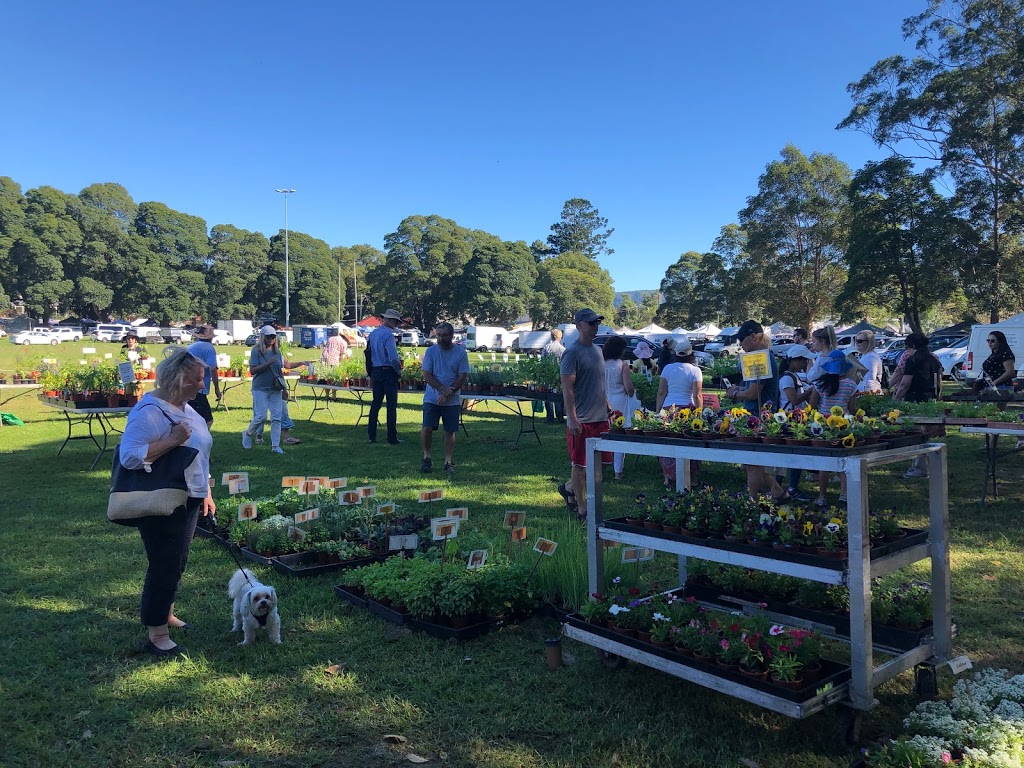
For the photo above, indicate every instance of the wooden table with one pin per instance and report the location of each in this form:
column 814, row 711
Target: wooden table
column 89, row 416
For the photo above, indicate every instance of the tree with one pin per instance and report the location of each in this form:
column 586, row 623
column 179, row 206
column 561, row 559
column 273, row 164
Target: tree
column 711, row 292
column 356, row 261
column 678, row 289
column 628, row 313
column 236, row 259
column 579, row 230
column 905, row 241
column 566, row 283
column 796, row 228
column 497, row 281
column 312, row 280
column 960, row 105
column 426, row 257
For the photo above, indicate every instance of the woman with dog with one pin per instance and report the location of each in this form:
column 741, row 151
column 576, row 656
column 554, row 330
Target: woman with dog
column 163, row 420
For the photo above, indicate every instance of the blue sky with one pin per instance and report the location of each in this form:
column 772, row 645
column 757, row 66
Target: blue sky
column 662, row 114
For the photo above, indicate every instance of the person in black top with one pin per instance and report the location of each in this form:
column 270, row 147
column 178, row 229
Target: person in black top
column 922, row 374
column 1000, row 366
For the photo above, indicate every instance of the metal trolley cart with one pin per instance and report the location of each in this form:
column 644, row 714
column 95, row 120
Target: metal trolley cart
column 856, row 573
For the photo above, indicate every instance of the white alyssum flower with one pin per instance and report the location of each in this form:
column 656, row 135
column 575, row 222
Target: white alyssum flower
column 615, row 610
column 661, row 617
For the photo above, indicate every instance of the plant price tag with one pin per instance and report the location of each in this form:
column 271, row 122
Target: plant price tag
column 126, row 372
column 334, row 483
column 306, row 516
column 960, row 664
column 106, row 356
column 477, row 558
column 460, row 512
column 247, row 511
column 444, row 528
column 755, row 366
column 367, row 491
column 399, row 541
column 519, row 534
column 545, row 546
column 309, row 487
column 292, row 481
column 227, row 477
column 88, row 350
column 637, row 554
column 296, row 534
column 346, row 498
column 514, row 519
column 434, row 494
column 241, row 485
column 322, row 480
column 386, row 509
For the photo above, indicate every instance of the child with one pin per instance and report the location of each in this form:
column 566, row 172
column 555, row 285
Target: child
column 834, row 386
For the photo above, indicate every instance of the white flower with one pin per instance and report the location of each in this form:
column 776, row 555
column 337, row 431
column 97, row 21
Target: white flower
column 776, row 630
column 832, row 527
column 766, row 518
column 616, row 580
column 816, row 428
column 615, row 610
column 781, row 417
column 708, row 414
column 661, row 617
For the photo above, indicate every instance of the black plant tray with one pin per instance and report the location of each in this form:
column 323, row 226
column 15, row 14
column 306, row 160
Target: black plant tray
column 881, row 634
column 347, row 594
column 832, row 673
column 303, row 564
column 898, row 442
column 388, row 614
column 469, row 632
column 252, row 557
column 619, row 524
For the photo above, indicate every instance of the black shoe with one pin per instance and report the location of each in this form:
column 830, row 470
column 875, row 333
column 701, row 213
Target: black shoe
column 449, row 467
column 394, row 442
column 426, row 466
column 799, row 496
column 160, row 653
column 373, row 441
column 185, row 627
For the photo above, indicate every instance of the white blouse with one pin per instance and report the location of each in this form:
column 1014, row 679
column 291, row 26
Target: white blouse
column 151, row 420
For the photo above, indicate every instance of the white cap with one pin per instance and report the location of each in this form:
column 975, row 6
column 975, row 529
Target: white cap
column 268, row 330
column 799, row 350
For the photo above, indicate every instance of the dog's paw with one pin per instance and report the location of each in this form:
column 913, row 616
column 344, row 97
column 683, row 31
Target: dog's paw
column 244, row 642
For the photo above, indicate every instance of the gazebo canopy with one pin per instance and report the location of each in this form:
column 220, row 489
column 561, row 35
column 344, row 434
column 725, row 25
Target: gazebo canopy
column 650, row 329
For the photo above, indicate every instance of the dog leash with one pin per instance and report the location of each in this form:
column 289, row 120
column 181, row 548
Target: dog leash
column 231, row 550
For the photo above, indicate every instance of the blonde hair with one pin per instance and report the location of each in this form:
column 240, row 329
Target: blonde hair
column 556, row 334
column 869, row 335
column 178, row 362
column 826, row 334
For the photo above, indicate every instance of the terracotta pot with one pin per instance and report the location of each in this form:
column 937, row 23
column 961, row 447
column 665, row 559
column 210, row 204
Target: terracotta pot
column 762, row 675
column 151, row 375
column 623, row 630
column 634, row 521
column 643, row 637
column 662, row 644
column 747, row 439
column 702, row 657
column 774, row 440
column 651, row 525
column 683, row 651
column 112, row 401
column 812, row 673
column 794, row 685
column 799, row 443
column 687, row 532
column 670, row 528
column 730, row 667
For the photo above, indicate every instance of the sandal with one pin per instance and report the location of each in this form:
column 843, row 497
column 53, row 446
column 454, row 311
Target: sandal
column 570, row 498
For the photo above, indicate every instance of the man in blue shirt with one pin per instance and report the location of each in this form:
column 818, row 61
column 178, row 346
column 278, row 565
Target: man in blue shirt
column 445, row 368
column 386, row 365
column 203, row 349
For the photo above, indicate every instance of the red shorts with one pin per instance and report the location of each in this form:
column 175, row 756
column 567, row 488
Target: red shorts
column 578, row 443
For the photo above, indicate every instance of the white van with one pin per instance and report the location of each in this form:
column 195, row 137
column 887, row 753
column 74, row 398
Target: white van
column 725, row 344
column 978, row 351
column 110, row 332
column 489, row 338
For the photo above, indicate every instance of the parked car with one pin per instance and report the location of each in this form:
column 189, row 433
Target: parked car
column 3, row 332
column 67, row 333
column 176, row 335
column 725, row 344
column 952, row 359
column 222, row 337
column 251, row 339
column 109, row 332
column 411, row 337
column 35, row 336
column 703, row 359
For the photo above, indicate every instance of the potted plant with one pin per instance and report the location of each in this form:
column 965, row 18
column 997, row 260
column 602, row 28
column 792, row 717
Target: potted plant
column 457, row 598
column 785, row 670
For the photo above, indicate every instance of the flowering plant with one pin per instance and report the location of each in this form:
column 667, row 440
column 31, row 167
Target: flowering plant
column 617, row 420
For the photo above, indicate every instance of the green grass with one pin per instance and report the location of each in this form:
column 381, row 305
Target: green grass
column 78, row 692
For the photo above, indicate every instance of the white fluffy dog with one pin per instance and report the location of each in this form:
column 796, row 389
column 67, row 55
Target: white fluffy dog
column 255, row 606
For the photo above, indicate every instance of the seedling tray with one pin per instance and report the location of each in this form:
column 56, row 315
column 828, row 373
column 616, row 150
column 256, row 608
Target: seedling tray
column 450, row 633
column 348, row 595
column 252, row 557
column 619, row 524
column 304, row 564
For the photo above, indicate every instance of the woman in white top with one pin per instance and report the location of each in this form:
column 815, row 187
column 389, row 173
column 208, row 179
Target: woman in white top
column 682, row 386
column 872, row 379
column 823, row 341
column 619, row 388
column 161, row 421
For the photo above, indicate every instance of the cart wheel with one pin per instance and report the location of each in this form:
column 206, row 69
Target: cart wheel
column 848, row 733
column 926, row 683
column 610, row 660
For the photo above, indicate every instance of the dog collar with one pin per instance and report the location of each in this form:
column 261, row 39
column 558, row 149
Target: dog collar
column 261, row 620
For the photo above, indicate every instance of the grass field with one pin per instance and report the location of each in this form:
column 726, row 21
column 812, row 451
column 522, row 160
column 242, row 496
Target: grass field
column 78, row 692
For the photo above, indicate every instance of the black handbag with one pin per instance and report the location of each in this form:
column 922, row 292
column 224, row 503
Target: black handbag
column 137, row 493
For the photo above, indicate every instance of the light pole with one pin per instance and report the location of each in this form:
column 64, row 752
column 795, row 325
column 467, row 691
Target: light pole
column 287, row 305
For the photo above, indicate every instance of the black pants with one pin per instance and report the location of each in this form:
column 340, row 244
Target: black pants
column 167, row 540
column 385, row 385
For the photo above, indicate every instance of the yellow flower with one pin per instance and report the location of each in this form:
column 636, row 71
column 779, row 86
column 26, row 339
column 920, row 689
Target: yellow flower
column 860, row 413
column 808, row 528
column 848, row 441
column 833, row 421
column 894, row 414
column 836, row 410
column 697, row 424
column 837, row 521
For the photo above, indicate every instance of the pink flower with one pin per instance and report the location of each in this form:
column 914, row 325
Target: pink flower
column 724, row 644
column 946, row 757
column 776, row 630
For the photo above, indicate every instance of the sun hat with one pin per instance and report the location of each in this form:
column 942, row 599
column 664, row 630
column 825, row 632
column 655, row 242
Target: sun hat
column 204, row 332
column 683, row 348
column 642, row 350
column 391, row 314
column 130, row 334
column 586, row 315
column 799, row 350
column 836, row 362
column 268, row 330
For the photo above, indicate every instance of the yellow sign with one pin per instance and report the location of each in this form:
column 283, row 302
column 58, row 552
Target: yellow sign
column 755, row 366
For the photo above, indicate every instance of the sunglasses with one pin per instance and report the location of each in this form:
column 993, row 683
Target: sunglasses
column 592, row 322
column 991, row 341
column 861, row 341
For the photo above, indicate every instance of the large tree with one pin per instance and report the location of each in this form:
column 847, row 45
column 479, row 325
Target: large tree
column 497, row 281
column 356, row 261
column 960, row 105
column 580, row 230
column 566, row 283
column 236, row 259
column 905, row 242
column 677, row 287
column 796, row 228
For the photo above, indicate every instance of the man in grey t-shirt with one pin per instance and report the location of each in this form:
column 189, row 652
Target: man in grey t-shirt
column 586, row 405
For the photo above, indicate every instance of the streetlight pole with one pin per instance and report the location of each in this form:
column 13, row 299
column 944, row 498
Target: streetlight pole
column 287, row 305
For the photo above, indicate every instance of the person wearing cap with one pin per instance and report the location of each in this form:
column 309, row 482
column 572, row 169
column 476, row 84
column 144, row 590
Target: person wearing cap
column 585, row 399
column 752, row 396
column 834, row 387
column 203, row 349
column 793, row 394
column 554, row 348
column 267, row 366
column 131, row 349
column 445, row 369
column 384, row 366
column 681, row 386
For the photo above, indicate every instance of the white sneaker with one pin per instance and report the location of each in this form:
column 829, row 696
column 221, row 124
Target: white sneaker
column 915, row 472
column 276, row 449
column 246, row 440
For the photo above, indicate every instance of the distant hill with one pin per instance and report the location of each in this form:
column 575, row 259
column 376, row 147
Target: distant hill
column 637, row 296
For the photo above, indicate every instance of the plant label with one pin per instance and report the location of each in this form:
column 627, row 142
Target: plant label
column 49, row 360
column 147, row 363
column 755, row 366
column 241, row 485
column 348, row 497
column 132, row 355
column 519, row 534
column 367, row 491
column 247, row 511
column 296, row 534
column 334, row 483
column 637, row 554
column 126, row 373
column 514, row 519
column 322, row 480
column 292, row 482
column 227, row 477
column 460, row 512
column 386, row 509
column 212, row 483
column 477, row 559
column 106, row 356
column 960, row 664
column 399, row 542
column 88, row 350
column 309, row 487
column 434, row 494
column 545, row 546
column 306, row 516
column 444, row 528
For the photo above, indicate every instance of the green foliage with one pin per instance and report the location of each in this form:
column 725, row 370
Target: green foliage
column 567, row 282
column 579, row 230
